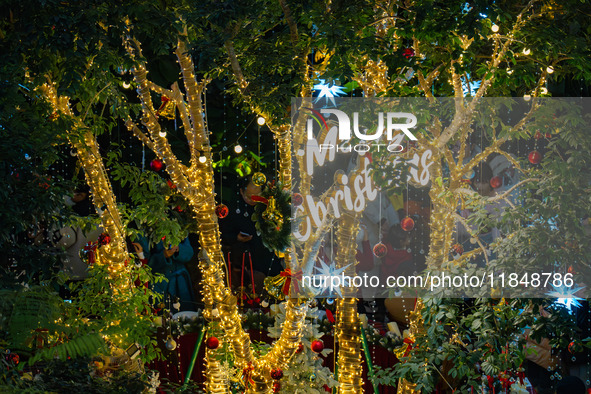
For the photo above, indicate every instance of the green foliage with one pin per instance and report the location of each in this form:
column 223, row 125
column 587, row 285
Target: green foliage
column 157, row 209
column 76, row 374
column 274, row 234
column 464, row 339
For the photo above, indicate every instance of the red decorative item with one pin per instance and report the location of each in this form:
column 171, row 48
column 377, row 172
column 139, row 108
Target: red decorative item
column 178, row 208
column 538, row 135
column 13, row 357
column 156, row 165
column 457, row 249
column 170, row 184
column 574, row 347
column 327, row 388
column 408, row 53
column 212, row 343
column 548, row 135
column 380, row 250
column 276, row 373
column 276, row 387
column 534, row 157
column 407, row 224
column 300, row 348
column 104, row 239
column 317, row 346
column 297, row 199
column 222, row 211
column 496, row 182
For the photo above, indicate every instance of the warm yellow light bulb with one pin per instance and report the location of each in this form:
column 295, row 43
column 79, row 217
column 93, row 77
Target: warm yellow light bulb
column 238, row 149
column 549, row 69
column 494, row 28
column 261, row 121
column 526, row 51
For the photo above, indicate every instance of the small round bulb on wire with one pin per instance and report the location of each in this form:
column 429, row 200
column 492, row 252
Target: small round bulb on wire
column 549, row 69
column 202, row 159
column 162, row 134
column 261, row 121
column 238, row 149
column 494, row 28
column 526, row 51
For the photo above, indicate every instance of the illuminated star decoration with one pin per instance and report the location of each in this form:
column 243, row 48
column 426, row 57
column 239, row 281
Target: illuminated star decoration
column 566, row 296
column 328, row 271
column 329, row 92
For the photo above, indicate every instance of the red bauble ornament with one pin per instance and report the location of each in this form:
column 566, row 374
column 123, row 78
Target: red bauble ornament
column 496, row 181
column 317, row 346
column 222, row 211
column 407, row 224
column 170, row 184
column 104, row 239
column 538, row 135
column 327, row 388
column 574, row 347
column 212, row 343
column 457, row 249
column 276, row 373
column 156, row 165
column 276, row 387
column 534, row 157
column 408, row 53
column 548, row 135
column 297, row 199
column 380, row 250
column 300, row 348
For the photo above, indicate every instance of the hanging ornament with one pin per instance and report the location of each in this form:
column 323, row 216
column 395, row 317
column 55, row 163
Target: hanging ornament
column 176, row 305
column 221, row 211
column 317, row 346
column 408, row 53
column 170, row 343
column 312, row 377
column 259, row 179
column 534, row 157
column 407, row 224
column 264, row 303
column 104, row 239
column 167, row 108
column 156, row 165
column 574, row 347
column 380, row 250
column 496, row 182
column 88, row 253
column 300, row 348
column 457, row 250
column 276, row 387
column 538, row 135
column 276, row 373
column 272, row 214
column 548, row 135
column 297, row 199
column 212, row 343
column 330, row 301
column 170, row 184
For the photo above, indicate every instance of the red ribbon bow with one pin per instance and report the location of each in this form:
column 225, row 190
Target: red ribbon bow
column 409, row 346
column 246, row 374
column 289, row 276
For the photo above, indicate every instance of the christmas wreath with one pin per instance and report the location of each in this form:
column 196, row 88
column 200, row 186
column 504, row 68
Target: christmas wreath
column 272, row 215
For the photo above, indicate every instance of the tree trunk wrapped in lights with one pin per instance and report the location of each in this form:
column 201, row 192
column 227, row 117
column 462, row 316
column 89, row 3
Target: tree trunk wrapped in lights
column 113, row 253
column 195, row 184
